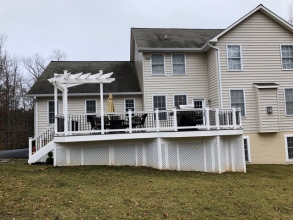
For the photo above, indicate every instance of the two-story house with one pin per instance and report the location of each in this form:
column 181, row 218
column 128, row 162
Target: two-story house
column 234, row 78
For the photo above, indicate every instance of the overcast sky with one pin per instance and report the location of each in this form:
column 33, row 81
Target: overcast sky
column 91, row 30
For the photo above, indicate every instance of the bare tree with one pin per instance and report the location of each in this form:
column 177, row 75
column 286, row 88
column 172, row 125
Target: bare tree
column 290, row 13
column 34, row 65
column 58, row 55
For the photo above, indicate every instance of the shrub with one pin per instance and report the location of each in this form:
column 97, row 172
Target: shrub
column 50, row 159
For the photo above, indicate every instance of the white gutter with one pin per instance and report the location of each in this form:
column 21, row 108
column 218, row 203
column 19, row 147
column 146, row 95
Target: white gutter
column 219, row 74
column 85, row 94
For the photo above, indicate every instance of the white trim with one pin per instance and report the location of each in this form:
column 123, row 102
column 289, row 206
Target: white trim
column 180, row 94
column 248, row 148
column 265, row 11
column 48, row 121
column 179, row 74
column 125, row 104
column 243, row 98
column 36, row 117
column 286, row 147
column 282, row 55
column 285, row 101
column 85, row 101
column 153, row 108
column 227, row 57
column 164, row 74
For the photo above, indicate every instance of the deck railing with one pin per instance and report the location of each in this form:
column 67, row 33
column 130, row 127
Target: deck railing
column 41, row 140
column 150, row 121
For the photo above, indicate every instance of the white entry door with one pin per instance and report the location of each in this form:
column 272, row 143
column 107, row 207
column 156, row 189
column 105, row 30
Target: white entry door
column 200, row 116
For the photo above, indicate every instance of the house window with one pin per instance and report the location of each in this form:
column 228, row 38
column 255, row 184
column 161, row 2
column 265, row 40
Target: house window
column 178, row 63
column 91, row 106
column 180, row 100
column 237, row 100
column 158, row 66
column 160, row 103
column 289, row 147
column 51, row 111
column 289, row 101
column 287, row 57
column 234, row 57
column 129, row 104
column 246, row 149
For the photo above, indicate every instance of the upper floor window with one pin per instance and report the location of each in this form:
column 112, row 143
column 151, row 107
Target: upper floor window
column 51, row 111
column 158, row 64
column 178, row 63
column 180, row 100
column 287, row 57
column 289, row 101
column 237, row 100
column 234, row 57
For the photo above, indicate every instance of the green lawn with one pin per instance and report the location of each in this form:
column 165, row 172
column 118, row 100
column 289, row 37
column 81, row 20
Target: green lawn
column 102, row 192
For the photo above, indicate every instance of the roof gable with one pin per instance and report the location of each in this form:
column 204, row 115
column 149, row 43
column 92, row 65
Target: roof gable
column 266, row 12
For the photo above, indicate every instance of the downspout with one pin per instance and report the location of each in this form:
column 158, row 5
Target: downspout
column 219, row 73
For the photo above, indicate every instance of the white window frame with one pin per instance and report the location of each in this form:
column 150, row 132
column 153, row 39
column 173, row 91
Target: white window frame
column 178, row 74
column 54, row 110
column 241, row 63
column 243, row 97
column 248, row 148
column 282, row 55
column 152, row 65
column 154, row 106
column 286, row 147
column 85, row 105
column 285, row 102
column 181, row 95
column 126, row 110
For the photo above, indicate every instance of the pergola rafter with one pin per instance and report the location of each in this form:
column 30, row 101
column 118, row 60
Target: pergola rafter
column 67, row 80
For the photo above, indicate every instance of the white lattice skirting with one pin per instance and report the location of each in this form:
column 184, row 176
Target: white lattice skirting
column 209, row 154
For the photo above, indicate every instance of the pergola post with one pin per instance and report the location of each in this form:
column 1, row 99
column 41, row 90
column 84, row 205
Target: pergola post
column 102, row 107
column 65, row 108
column 55, row 107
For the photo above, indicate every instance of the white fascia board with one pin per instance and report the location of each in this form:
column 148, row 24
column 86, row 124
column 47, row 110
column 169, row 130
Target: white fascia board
column 264, row 10
column 86, row 94
column 150, row 49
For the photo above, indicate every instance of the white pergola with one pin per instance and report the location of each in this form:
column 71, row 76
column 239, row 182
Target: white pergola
column 66, row 80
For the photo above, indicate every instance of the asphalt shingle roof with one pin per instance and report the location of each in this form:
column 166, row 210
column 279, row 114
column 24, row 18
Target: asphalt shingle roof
column 124, row 73
column 176, row 38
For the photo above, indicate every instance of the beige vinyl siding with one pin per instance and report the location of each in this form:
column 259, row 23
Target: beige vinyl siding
column 268, row 122
column 260, row 39
column 212, row 70
column 76, row 105
column 194, row 83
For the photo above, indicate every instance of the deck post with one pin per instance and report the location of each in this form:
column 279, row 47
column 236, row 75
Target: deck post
column 217, row 118
column 30, row 149
column 175, row 118
column 55, row 155
column 239, row 116
column 102, row 108
column 160, row 159
column 65, row 109
column 130, row 120
column 55, row 107
column 234, row 118
column 207, row 109
column 157, row 119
